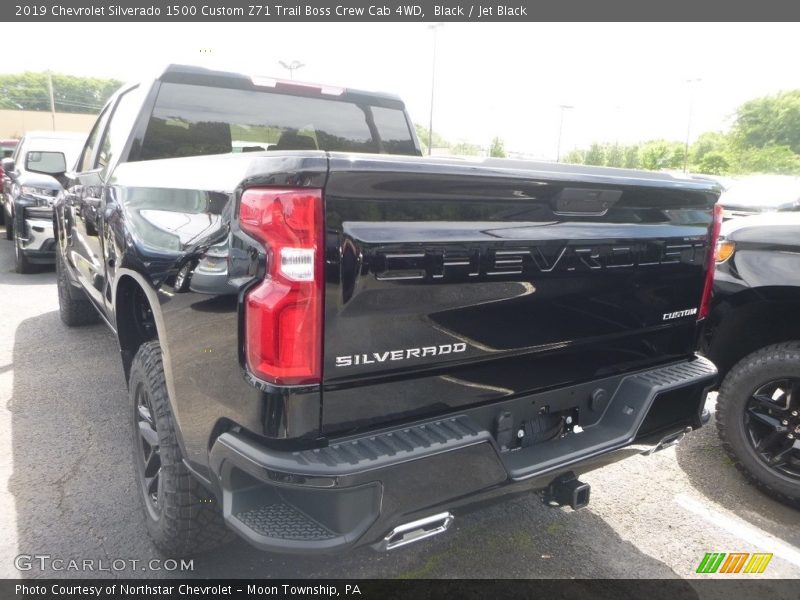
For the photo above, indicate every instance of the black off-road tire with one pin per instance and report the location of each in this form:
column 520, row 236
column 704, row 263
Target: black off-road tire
column 73, row 306
column 748, row 375
column 186, row 519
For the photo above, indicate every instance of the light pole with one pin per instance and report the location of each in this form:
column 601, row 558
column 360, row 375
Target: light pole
column 22, row 109
column 435, row 28
column 563, row 107
column 291, row 67
column 52, row 99
column 690, row 83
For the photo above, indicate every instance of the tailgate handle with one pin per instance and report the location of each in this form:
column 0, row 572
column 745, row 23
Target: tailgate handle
column 583, row 201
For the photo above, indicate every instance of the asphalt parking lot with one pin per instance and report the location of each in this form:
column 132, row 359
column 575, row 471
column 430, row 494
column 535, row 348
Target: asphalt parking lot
column 67, row 487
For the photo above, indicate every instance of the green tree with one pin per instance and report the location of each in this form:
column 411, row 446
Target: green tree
column 713, row 163
column 609, row 155
column 713, row 153
column 595, row 155
column 575, row 157
column 770, row 159
column 73, row 94
column 465, row 149
column 615, row 155
column 422, row 134
column 498, row 148
column 661, row 154
column 770, row 121
column 710, row 141
column 631, row 157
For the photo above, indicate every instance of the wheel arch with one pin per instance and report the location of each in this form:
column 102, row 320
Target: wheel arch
column 130, row 289
column 749, row 320
column 134, row 298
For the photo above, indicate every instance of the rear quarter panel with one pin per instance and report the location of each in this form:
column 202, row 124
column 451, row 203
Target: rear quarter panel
column 168, row 227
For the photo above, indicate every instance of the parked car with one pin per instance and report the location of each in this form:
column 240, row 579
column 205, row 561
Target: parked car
column 336, row 341
column 753, row 336
column 7, row 148
column 755, row 194
column 33, row 178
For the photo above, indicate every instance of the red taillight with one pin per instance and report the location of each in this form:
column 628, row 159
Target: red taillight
column 283, row 313
column 705, row 302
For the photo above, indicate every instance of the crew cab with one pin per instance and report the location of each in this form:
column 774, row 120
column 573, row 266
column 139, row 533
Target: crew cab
column 330, row 340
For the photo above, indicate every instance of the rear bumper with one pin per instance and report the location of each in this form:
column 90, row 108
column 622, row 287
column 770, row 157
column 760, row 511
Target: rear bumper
column 359, row 488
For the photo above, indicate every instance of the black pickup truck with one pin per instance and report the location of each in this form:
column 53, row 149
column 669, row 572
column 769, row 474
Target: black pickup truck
column 332, row 341
column 753, row 336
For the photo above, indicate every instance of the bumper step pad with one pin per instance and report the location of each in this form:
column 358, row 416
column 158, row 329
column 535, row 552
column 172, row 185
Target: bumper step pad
column 283, row 521
column 393, row 446
column 365, row 453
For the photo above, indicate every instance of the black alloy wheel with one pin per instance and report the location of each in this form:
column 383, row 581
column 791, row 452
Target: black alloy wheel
column 772, row 423
column 149, row 449
column 758, row 419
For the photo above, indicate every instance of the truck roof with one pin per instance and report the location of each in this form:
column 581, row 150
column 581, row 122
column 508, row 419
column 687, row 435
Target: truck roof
column 201, row 76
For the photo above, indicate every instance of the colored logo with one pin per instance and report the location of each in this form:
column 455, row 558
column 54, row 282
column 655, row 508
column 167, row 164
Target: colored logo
column 734, row 562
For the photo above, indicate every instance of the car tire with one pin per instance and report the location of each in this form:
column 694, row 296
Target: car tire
column 9, row 227
column 737, row 400
column 21, row 263
column 182, row 517
column 74, row 307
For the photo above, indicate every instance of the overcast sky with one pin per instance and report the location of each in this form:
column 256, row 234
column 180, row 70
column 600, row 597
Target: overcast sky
column 627, row 82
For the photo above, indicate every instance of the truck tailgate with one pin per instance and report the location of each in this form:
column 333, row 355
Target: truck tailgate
column 451, row 283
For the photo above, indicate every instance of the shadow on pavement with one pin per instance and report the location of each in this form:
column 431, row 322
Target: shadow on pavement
column 711, row 471
column 74, row 492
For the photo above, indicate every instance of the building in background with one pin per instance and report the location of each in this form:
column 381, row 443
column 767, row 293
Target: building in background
column 14, row 123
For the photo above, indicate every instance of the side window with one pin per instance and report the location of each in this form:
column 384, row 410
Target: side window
column 119, row 128
column 85, row 161
column 393, row 128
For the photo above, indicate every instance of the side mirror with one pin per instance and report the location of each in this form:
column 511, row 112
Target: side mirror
column 46, row 163
column 9, row 166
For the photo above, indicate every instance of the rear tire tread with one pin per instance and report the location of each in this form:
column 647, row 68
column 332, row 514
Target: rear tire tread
column 190, row 522
column 728, row 412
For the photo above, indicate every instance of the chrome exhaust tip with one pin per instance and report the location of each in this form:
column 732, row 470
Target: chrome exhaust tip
column 415, row 531
column 670, row 440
